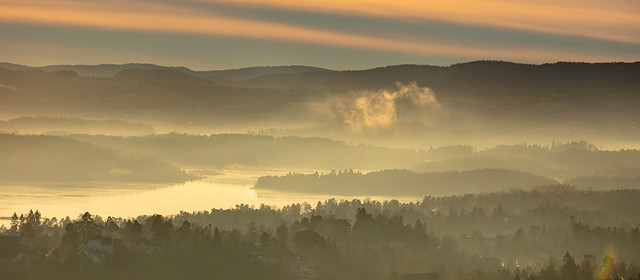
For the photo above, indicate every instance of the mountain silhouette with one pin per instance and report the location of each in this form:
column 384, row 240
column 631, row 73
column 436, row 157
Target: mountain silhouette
column 484, row 94
column 108, row 70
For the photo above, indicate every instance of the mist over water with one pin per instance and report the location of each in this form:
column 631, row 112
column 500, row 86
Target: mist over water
column 221, row 191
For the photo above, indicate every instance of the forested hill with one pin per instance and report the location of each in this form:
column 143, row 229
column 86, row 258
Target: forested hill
column 403, row 182
column 590, row 92
column 481, row 75
column 582, row 93
column 474, row 101
column 542, row 234
column 224, row 150
column 560, row 160
column 59, row 125
column 107, row 70
column 50, row 159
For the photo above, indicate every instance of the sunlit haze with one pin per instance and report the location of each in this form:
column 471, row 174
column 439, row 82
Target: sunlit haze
column 320, row 140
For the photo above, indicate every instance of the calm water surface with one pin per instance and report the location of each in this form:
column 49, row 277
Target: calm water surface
column 230, row 188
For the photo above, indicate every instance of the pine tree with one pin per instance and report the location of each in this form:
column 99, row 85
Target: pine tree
column 569, row 269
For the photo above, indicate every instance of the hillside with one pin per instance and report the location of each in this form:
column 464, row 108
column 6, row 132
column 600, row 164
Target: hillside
column 577, row 92
column 223, row 150
column 258, row 71
column 156, row 95
column 51, row 160
column 108, row 70
column 563, row 161
column 403, row 182
column 475, row 101
column 50, row 125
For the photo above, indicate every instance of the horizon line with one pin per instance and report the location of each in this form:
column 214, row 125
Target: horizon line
column 312, row 66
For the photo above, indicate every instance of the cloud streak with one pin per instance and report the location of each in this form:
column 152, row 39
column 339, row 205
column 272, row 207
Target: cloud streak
column 178, row 17
column 459, row 30
column 610, row 20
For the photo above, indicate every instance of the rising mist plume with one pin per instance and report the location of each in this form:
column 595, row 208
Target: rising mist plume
column 371, row 110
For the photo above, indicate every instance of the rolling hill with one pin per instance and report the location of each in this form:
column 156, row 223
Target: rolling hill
column 49, row 159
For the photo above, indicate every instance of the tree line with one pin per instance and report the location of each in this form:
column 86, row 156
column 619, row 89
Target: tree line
column 335, row 240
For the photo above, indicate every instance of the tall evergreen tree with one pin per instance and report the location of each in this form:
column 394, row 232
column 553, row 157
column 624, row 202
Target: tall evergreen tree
column 569, row 269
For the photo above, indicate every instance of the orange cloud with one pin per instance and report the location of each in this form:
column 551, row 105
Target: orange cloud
column 152, row 17
column 610, row 20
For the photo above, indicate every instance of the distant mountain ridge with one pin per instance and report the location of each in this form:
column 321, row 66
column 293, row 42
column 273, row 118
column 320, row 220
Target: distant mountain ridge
column 108, row 70
column 257, row 71
column 296, row 76
column 499, row 73
column 160, row 75
column 51, row 125
column 492, row 97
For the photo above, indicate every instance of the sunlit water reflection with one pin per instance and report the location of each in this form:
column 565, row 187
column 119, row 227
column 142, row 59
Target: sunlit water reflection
column 230, row 188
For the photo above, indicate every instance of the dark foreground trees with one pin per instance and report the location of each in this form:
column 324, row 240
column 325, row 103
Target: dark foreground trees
column 345, row 240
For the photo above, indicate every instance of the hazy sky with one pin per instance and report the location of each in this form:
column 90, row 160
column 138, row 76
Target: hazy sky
column 344, row 34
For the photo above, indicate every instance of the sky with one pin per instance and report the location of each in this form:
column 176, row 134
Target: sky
column 344, row 34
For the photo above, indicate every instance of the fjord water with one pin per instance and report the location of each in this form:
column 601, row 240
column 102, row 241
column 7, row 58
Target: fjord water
column 224, row 190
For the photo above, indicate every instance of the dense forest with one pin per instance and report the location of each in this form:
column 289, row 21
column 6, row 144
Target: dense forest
column 541, row 234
